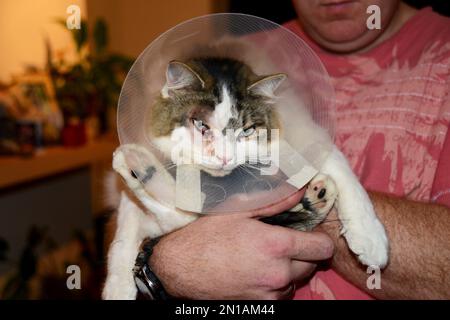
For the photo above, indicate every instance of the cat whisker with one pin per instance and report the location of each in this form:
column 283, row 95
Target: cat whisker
column 251, row 166
column 170, row 166
column 333, row 220
column 259, row 159
column 249, row 172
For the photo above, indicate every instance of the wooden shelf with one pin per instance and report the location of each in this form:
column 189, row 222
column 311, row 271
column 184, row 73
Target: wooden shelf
column 53, row 160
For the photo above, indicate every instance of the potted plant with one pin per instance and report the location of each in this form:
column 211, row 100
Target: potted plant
column 85, row 90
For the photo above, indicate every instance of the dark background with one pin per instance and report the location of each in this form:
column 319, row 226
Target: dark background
column 281, row 11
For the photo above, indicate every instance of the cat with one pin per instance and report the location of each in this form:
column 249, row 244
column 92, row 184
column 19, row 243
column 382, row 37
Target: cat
column 205, row 96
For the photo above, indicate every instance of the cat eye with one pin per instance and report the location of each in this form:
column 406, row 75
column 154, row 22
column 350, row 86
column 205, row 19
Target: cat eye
column 200, row 125
column 247, row 132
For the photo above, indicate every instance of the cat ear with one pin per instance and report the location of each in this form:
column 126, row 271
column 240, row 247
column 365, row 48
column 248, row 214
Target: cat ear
column 180, row 75
column 267, row 86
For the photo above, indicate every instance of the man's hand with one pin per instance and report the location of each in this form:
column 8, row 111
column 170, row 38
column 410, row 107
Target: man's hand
column 236, row 256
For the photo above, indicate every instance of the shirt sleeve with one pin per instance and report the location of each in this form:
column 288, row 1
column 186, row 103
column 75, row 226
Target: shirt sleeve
column 440, row 192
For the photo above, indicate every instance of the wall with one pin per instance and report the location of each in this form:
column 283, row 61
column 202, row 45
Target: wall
column 134, row 24
column 24, row 25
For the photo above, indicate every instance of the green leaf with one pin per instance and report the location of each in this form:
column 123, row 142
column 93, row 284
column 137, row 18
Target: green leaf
column 100, row 36
column 80, row 35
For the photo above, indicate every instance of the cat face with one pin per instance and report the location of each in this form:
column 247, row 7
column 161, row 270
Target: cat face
column 215, row 113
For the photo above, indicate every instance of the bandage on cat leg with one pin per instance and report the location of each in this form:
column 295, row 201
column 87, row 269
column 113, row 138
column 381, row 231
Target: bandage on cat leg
column 295, row 166
column 188, row 193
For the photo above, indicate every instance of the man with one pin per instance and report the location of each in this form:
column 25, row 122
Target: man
column 393, row 103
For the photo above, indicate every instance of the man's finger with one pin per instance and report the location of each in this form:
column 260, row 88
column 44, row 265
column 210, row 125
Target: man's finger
column 283, row 205
column 311, row 246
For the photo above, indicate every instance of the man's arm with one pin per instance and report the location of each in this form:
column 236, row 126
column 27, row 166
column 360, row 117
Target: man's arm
column 419, row 266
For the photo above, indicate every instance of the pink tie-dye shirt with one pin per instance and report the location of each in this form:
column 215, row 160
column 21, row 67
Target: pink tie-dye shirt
column 393, row 114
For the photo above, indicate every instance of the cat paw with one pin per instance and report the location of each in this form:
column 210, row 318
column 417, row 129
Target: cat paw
column 135, row 164
column 319, row 196
column 316, row 203
column 120, row 165
column 119, row 289
column 369, row 242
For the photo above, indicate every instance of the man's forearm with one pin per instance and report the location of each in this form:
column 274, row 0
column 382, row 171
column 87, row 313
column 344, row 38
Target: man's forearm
column 419, row 263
